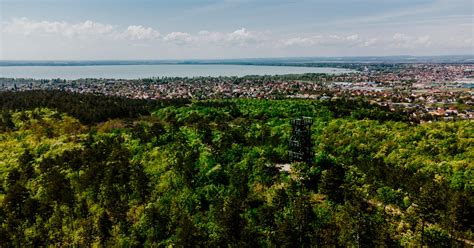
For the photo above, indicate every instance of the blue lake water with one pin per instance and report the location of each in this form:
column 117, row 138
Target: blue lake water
column 162, row 70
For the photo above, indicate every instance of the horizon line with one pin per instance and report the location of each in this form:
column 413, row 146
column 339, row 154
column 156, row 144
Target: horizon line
column 246, row 58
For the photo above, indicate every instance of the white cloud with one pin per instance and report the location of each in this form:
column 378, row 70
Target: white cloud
column 324, row 40
column 23, row 38
column 28, row 27
column 347, row 40
column 86, row 29
column 241, row 36
column 94, row 30
column 401, row 40
column 212, row 37
column 370, row 42
column 301, row 41
column 469, row 42
column 89, row 28
column 139, row 32
column 179, row 38
column 423, row 40
column 238, row 37
column 398, row 40
column 353, row 37
column 400, row 37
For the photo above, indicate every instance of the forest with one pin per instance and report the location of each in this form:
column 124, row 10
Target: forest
column 87, row 170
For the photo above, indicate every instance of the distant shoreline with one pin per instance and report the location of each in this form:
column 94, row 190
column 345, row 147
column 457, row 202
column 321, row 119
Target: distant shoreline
column 136, row 71
column 296, row 61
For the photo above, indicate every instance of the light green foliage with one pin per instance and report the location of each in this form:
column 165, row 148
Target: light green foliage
column 203, row 174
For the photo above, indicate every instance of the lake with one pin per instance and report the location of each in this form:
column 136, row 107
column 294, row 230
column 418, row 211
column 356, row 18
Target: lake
column 162, row 70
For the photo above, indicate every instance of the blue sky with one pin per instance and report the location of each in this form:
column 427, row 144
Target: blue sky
column 184, row 29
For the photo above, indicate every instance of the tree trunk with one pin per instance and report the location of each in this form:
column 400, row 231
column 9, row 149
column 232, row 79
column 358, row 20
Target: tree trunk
column 422, row 232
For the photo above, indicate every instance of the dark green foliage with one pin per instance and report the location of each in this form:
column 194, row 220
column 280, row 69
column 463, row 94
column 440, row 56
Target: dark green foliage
column 203, row 174
column 360, row 109
column 88, row 108
column 6, row 122
column 332, row 181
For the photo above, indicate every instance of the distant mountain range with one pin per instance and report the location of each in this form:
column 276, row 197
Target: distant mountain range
column 295, row 61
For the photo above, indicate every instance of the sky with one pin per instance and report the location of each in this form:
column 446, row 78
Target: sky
column 223, row 29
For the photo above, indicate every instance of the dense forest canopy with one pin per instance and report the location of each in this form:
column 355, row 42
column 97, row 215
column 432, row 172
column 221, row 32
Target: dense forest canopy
column 88, row 170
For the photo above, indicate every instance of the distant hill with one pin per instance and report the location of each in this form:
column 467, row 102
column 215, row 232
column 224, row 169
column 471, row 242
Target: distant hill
column 296, row 61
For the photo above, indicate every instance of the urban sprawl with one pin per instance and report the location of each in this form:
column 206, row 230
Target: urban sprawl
column 426, row 91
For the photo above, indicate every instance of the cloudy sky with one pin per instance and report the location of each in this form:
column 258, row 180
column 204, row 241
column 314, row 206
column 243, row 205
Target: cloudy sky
column 191, row 29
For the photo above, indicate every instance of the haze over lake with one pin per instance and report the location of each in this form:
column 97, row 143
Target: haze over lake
column 163, row 70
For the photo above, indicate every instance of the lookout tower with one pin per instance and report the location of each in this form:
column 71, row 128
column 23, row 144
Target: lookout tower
column 301, row 146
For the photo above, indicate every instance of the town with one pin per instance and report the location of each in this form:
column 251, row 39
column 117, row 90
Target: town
column 426, row 91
